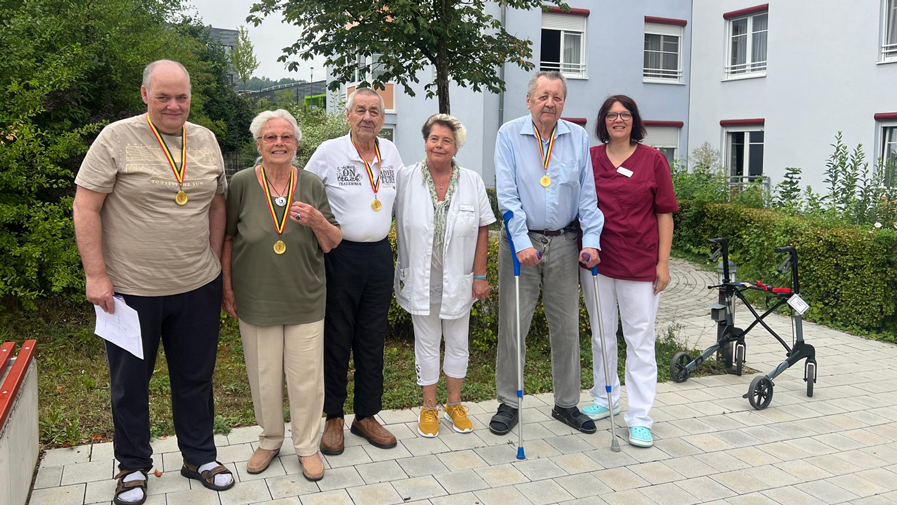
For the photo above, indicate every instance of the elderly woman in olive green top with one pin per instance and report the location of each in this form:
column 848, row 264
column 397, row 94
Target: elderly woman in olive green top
column 279, row 225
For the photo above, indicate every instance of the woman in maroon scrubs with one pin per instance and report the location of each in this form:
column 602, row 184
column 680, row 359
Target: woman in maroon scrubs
column 635, row 193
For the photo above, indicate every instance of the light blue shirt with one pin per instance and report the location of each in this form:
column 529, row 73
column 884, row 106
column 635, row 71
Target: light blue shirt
column 571, row 195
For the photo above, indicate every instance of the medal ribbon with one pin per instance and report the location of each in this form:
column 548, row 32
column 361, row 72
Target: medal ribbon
column 546, row 156
column 178, row 174
column 279, row 226
column 375, row 186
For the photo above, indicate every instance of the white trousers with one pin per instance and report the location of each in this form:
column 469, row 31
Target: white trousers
column 428, row 333
column 297, row 352
column 638, row 312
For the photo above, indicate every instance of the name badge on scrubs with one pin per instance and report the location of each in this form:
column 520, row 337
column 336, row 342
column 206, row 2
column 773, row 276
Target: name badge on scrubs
column 624, row 171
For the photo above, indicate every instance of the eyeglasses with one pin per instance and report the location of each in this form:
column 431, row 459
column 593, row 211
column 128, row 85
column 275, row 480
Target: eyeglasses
column 612, row 116
column 272, row 138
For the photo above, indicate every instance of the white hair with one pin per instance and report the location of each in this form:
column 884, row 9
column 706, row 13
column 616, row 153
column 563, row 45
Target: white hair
column 262, row 119
column 551, row 76
column 350, row 101
column 451, row 122
column 148, row 71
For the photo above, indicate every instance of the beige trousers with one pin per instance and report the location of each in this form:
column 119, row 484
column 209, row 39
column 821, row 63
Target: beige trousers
column 297, row 351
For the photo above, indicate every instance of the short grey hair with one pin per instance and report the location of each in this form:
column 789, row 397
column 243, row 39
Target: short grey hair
column 148, row 72
column 450, row 122
column 350, row 101
column 262, row 119
column 550, row 75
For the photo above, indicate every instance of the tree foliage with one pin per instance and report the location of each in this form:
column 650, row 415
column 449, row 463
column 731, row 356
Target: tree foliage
column 460, row 38
column 242, row 56
column 58, row 86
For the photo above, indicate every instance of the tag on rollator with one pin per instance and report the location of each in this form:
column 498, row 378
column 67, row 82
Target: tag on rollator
column 798, row 304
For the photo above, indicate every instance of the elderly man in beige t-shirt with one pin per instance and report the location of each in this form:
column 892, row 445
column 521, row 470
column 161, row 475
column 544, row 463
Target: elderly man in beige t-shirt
column 149, row 218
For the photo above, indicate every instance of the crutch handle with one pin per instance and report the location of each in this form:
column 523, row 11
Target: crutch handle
column 507, row 218
column 587, row 257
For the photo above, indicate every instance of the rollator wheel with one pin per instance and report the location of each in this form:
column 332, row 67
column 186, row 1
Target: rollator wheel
column 760, row 393
column 679, row 367
column 810, row 373
column 739, row 359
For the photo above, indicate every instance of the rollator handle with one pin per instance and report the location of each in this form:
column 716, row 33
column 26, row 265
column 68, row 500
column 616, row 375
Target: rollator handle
column 724, row 251
column 507, row 218
column 791, row 262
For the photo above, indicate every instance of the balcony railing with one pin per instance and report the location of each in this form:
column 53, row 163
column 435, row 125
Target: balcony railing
column 568, row 69
column 889, row 51
column 745, row 68
column 662, row 73
column 740, row 182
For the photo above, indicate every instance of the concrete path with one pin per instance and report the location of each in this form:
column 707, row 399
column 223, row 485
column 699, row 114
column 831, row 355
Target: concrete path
column 711, row 447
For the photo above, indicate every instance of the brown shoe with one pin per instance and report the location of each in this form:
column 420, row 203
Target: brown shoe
column 312, row 467
column 260, row 460
column 371, row 430
column 332, row 442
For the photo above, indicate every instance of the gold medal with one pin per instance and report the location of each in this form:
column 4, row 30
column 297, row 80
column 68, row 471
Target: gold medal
column 376, row 205
column 180, row 198
column 279, row 247
column 545, row 181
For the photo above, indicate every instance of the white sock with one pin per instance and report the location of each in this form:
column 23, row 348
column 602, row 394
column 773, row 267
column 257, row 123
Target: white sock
column 222, row 479
column 132, row 495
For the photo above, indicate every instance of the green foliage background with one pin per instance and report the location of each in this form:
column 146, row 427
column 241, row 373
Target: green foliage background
column 68, row 69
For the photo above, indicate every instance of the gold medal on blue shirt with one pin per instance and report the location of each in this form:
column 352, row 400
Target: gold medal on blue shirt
column 545, row 181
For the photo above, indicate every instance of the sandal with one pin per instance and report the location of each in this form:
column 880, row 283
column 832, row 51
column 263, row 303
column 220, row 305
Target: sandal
column 572, row 417
column 504, row 420
column 123, row 487
column 208, row 477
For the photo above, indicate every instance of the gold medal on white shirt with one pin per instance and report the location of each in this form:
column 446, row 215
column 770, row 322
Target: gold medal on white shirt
column 545, row 181
column 180, row 198
column 376, row 205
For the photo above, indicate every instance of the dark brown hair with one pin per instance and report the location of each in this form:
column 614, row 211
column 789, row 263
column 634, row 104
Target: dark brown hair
column 638, row 129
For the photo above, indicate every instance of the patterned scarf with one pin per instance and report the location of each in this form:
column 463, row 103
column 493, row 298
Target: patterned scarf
column 440, row 209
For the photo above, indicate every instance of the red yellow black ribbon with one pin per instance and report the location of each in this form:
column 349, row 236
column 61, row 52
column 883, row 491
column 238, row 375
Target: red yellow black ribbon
column 375, row 185
column 279, row 225
column 546, row 155
column 179, row 174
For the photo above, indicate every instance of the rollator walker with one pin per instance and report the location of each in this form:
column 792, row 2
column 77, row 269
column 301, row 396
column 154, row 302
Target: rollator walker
column 761, row 389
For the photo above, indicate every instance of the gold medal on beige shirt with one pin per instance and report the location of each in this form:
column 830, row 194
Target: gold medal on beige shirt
column 179, row 172
column 280, row 247
column 545, row 181
column 376, row 205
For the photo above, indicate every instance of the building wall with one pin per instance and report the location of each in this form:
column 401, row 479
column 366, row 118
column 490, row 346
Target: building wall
column 614, row 57
column 823, row 77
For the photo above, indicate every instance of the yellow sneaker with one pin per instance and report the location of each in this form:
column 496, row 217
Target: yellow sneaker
column 457, row 415
column 428, row 424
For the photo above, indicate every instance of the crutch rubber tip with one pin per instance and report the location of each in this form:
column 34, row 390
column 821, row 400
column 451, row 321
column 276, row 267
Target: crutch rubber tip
column 520, row 454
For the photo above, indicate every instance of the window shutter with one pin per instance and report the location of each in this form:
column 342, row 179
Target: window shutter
column 567, row 22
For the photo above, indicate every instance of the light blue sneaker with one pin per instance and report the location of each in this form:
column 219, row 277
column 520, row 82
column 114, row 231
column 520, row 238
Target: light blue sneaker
column 597, row 412
column 640, row 436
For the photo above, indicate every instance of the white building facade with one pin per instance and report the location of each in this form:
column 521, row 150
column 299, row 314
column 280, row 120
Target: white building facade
column 766, row 85
column 772, row 84
column 604, row 48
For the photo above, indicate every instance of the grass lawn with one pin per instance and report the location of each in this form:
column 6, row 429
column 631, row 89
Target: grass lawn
column 74, row 379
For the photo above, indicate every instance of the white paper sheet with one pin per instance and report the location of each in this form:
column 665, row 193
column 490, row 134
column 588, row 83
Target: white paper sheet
column 121, row 328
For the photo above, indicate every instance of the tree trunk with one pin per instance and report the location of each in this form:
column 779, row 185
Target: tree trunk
column 444, row 11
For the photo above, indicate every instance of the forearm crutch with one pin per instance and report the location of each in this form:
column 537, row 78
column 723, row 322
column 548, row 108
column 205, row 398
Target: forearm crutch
column 507, row 218
column 614, row 445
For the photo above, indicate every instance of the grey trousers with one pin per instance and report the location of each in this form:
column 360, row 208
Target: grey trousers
column 557, row 276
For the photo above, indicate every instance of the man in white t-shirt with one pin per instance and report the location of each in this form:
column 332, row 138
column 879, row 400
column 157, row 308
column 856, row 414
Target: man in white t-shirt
column 358, row 171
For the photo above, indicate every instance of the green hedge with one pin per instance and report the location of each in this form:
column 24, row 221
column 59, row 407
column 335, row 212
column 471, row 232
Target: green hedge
column 847, row 273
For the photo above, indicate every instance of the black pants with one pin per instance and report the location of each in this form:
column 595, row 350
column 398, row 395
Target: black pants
column 187, row 325
column 359, row 291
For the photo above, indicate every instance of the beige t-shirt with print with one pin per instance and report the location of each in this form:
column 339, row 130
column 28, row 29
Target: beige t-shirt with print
column 152, row 245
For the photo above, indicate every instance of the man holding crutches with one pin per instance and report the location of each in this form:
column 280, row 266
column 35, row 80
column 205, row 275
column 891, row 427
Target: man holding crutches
column 544, row 178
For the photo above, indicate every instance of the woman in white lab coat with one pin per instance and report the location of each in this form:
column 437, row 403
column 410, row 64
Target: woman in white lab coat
column 442, row 219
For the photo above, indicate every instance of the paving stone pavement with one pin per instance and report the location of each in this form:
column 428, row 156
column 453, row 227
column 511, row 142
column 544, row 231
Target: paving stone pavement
column 840, row 446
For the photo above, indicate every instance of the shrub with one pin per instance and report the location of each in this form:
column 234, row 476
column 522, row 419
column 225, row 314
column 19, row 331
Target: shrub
column 847, row 273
